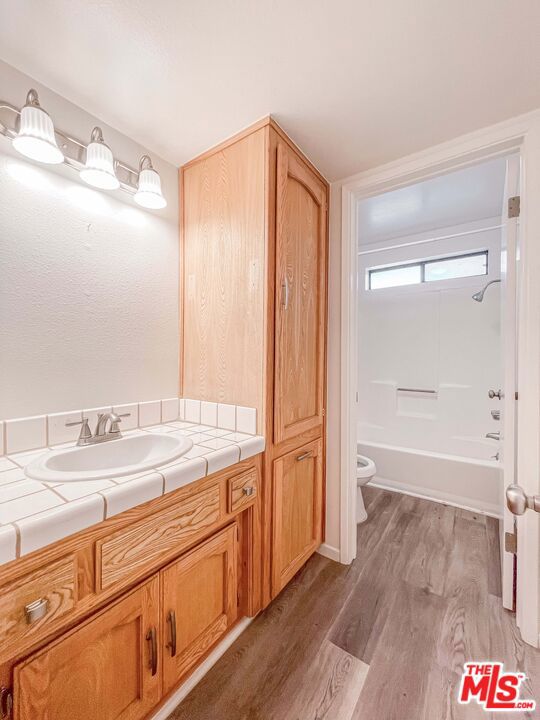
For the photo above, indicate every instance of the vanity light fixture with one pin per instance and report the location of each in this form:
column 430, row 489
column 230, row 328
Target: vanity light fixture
column 98, row 170
column 33, row 134
column 35, row 138
column 149, row 193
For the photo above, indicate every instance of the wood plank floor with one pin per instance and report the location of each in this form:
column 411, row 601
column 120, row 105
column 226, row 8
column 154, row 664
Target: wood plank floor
column 382, row 639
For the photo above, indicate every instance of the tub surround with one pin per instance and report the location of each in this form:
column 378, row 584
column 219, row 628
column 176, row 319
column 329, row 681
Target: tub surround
column 34, row 514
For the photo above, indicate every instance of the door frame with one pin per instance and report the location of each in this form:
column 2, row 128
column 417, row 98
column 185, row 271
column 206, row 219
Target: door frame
column 521, row 134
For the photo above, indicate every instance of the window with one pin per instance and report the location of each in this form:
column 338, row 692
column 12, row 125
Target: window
column 424, row 271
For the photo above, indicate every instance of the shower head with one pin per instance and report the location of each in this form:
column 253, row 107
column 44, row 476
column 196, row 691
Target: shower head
column 479, row 296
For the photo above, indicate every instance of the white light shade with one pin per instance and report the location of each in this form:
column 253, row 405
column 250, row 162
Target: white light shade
column 35, row 138
column 99, row 168
column 149, row 191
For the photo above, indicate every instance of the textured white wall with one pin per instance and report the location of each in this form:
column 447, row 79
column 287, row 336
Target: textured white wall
column 88, row 281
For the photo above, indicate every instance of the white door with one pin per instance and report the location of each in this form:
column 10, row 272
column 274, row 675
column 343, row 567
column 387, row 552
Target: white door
column 508, row 449
column 522, row 479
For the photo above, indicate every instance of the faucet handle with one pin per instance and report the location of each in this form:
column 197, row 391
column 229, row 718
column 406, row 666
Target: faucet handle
column 115, row 419
column 85, row 433
column 82, row 422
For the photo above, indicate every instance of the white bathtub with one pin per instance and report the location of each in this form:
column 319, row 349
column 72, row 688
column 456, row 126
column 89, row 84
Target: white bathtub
column 467, row 482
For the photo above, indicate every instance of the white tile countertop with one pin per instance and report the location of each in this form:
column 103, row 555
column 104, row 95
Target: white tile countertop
column 34, row 514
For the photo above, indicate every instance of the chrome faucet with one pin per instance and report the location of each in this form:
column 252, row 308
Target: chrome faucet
column 494, row 435
column 86, row 437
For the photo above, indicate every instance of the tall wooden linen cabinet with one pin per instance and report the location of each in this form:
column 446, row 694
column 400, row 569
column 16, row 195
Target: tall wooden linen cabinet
column 254, row 229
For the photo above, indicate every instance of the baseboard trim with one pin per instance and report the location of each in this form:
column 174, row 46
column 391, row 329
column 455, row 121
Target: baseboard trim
column 444, row 499
column 184, row 689
column 329, row 551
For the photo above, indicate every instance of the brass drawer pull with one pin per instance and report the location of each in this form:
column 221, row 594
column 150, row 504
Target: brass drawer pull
column 36, row 610
column 151, row 637
column 248, row 490
column 171, row 619
column 305, row 456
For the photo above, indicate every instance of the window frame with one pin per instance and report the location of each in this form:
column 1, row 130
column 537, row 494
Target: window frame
column 422, row 265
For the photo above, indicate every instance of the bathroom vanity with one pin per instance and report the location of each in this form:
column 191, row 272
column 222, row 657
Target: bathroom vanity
column 108, row 621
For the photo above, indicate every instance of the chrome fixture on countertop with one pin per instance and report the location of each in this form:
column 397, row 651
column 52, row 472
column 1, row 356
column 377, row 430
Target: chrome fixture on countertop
column 494, row 435
column 479, row 296
column 495, row 394
column 86, row 437
column 496, row 414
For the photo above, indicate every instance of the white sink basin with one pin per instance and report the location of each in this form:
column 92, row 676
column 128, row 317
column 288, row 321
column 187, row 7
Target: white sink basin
column 110, row 459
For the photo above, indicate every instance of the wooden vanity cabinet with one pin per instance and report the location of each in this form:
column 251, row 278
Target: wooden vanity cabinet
column 199, row 603
column 108, row 668
column 254, row 245
column 119, row 664
column 129, row 607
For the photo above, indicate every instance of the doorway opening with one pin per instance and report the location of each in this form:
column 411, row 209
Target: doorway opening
column 436, row 341
column 519, row 139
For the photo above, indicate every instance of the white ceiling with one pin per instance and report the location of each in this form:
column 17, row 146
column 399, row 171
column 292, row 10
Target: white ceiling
column 459, row 197
column 355, row 82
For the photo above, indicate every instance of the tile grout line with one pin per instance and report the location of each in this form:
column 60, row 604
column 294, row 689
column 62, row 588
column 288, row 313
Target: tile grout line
column 17, row 539
column 53, row 489
column 20, row 497
column 105, row 505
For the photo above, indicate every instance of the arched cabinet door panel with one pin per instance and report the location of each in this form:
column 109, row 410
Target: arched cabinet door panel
column 300, row 297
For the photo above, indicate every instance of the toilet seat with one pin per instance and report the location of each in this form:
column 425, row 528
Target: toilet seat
column 365, row 468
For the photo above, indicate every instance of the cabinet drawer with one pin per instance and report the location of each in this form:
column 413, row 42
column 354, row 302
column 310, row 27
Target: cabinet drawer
column 128, row 553
column 30, row 604
column 243, row 491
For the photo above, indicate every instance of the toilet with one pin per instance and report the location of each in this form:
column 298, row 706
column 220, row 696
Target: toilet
column 365, row 470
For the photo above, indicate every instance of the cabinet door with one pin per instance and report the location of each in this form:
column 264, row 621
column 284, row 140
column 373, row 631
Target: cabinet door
column 297, row 508
column 199, row 603
column 107, row 669
column 300, row 297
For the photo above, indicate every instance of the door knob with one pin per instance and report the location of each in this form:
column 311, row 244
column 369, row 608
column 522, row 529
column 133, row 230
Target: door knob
column 518, row 501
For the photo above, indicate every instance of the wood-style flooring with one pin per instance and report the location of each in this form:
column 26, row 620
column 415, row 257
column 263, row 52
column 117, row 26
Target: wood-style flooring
column 382, row 639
